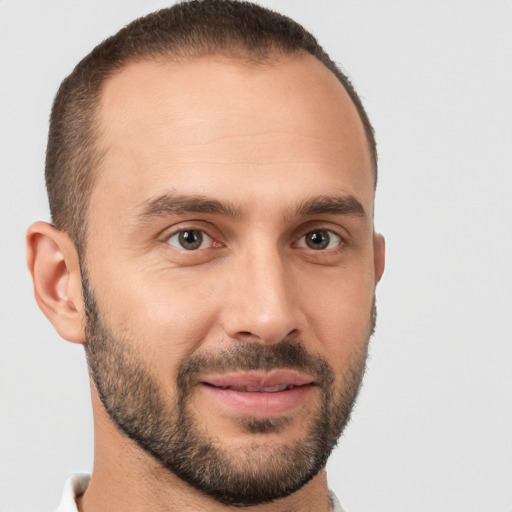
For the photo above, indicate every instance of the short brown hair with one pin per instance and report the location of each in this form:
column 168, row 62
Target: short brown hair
column 186, row 30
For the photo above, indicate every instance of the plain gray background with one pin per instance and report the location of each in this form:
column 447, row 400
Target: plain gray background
column 432, row 430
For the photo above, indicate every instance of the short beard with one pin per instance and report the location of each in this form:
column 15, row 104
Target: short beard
column 257, row 473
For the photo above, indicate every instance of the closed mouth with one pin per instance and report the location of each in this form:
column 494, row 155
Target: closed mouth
column 259, row 382
column 259, row 394
column 257, row 389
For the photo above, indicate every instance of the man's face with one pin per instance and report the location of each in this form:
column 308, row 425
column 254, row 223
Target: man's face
column 230, row 267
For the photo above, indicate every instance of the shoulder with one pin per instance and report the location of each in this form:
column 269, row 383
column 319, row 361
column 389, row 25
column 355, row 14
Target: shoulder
column 75, row 486
column 335, row 503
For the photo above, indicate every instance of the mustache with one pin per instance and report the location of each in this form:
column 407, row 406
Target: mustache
column 286, row 354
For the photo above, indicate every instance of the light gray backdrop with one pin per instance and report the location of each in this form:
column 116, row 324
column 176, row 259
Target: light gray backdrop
column 432, row 430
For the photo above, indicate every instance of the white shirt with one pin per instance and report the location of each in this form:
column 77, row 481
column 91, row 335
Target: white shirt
column 77, row 484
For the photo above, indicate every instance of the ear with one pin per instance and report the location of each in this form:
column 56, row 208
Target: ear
column 379, row 255
column 53, row 263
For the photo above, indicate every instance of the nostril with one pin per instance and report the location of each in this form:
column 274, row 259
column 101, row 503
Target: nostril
column 293, row 334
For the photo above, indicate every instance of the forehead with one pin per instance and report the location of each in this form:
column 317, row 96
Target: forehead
column 204, row 124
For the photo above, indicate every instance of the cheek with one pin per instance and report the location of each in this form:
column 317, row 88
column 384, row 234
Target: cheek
column 165, row 316
column 338, row 309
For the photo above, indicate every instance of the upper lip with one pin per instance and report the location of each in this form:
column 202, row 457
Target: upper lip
column 275, row 380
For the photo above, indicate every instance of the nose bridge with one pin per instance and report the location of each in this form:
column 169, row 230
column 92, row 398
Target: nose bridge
column 262, row 304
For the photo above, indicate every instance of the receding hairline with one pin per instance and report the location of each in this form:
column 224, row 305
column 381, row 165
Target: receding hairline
column 275, row 60
column 231, row 57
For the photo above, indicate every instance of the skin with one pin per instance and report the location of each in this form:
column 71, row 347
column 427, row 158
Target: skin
column 264, row 139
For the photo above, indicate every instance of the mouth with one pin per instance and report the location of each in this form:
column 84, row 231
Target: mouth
column 259, row 394
column 258, row 389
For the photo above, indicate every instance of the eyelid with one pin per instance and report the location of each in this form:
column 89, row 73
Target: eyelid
column 206, row 238
column 188, row 225
column 338, row 240
column 322, row 225
column 206, row 228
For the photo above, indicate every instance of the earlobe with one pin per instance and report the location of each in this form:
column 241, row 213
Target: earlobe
column 379, row 255
column 53, row 263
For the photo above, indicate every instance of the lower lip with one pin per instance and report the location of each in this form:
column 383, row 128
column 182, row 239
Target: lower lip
column 260, row 404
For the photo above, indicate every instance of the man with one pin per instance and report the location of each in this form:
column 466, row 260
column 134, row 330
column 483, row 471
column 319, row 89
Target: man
column 211, row 179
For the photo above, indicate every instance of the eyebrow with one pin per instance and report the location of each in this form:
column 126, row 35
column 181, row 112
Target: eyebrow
column 177, row 204
column 336, row 205
column 174, row 204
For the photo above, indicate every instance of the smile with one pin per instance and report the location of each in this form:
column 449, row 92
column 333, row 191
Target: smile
column 253, row 389
column 258, row 394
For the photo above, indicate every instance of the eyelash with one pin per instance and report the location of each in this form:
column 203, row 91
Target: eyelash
column 331, row 236
column 199, row 236
column 182, row 233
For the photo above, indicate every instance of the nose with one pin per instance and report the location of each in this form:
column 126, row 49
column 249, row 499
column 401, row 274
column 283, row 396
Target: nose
column 261, row 305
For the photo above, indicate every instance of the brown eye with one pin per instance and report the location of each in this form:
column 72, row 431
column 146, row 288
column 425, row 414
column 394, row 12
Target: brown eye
column 189, row 239
column 319, row 240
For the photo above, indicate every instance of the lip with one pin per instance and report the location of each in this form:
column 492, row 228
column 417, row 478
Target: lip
column 259, row 394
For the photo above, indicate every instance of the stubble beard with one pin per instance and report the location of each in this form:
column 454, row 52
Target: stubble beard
column 259, row 472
